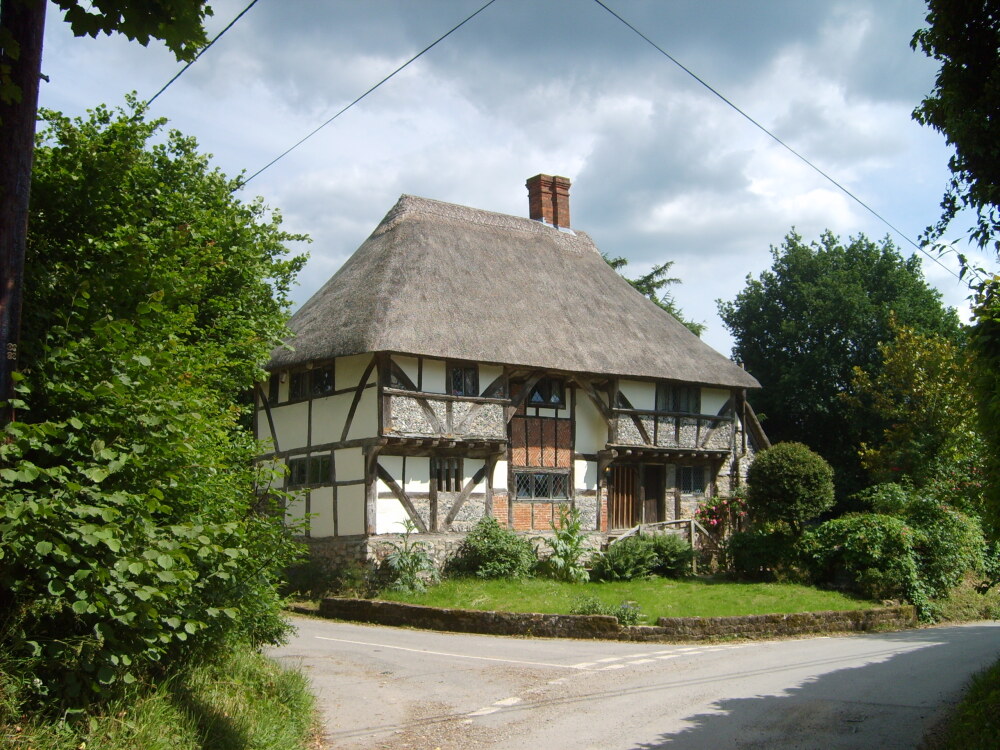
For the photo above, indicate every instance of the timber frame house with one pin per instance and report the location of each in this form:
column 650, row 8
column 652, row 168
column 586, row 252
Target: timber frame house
column 465, row 363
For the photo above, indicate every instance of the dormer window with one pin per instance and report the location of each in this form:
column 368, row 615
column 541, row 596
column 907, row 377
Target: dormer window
column 548, row 393
column 463, row 380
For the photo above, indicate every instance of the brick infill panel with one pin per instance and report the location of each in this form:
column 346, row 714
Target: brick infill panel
column 667, row 629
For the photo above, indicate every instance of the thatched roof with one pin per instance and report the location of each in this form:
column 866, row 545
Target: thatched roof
column 440, row 280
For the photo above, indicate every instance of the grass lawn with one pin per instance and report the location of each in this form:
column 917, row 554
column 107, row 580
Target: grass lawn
column 657, row 597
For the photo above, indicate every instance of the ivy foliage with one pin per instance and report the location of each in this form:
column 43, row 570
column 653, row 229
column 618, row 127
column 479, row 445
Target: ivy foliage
column 131, row 533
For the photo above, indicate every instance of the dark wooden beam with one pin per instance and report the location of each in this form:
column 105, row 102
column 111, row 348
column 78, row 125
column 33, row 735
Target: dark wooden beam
column 463, row 496
column 358, row 393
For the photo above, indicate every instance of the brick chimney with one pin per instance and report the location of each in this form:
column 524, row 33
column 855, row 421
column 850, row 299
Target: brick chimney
column 548, row 199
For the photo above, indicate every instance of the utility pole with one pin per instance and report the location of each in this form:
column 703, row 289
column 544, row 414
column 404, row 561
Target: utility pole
column 23, row 24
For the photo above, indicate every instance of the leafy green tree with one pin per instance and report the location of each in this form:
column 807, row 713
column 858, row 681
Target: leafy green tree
column 653, row 285
column 130, row 534
column 965, row 38
column 802, row 327
column 923, row 392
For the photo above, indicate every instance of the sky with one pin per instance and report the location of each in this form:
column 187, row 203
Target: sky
column 662, row 169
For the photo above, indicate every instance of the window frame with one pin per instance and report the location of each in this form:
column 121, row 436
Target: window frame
column 535, row 479
column 687, row 483
column 447, row 472
column 298, row 385
column 544, row 388
column 309, row 471
column 317, row 389
column 678, row 399
column 470, row 378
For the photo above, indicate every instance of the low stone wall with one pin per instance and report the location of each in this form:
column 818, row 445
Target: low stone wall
column 471, row 621
column 607, row 627
column 764, row 626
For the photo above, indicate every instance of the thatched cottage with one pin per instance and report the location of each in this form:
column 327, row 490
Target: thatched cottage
column 464, row 362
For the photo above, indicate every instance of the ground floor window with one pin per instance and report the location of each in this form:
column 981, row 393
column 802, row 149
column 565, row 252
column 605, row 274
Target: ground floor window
column 534, row 485
column 446, row 474
column 692, row 479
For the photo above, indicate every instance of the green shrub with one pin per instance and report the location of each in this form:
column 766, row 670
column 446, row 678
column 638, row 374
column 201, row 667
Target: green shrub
column 409, row 564
column 491, row 551
column 673, row 555
column 630, row 558
column 871, row 554
column 766, row 554
column 789, row 483
column 567, row 549
column 889, row 499
column 948, row 544
column 628, row 613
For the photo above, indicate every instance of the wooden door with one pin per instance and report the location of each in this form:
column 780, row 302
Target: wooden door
column 653, row 485
column 623, row 492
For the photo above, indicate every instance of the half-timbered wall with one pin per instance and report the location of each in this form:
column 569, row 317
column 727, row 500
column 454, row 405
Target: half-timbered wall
column 321, row 430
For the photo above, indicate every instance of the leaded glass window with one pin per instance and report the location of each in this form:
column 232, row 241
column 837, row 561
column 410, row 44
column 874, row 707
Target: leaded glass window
column 541, row 485
column 548, row 393
column 692, row 479
column 272, row 388
column 463, row 380
column 680, row 399
column 321, row 381
column 296, row 386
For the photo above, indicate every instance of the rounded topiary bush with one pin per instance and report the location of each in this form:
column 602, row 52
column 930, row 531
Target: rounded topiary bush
column 491, row 551
column 789, row 483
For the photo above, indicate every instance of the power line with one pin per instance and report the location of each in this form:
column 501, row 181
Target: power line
column 201, row 52
column 342, row 111
column 780, row 142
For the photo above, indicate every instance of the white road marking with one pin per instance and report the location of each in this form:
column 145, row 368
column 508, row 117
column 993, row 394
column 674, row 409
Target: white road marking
column 610, row 658
column 445, row 653
column 513, row 701
column 641, row 661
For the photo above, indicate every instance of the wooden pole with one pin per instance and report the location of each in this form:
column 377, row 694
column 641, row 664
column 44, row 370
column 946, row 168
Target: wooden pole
column 24, row 21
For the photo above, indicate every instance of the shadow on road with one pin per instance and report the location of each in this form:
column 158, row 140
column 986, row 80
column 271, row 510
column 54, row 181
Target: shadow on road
column 840, row 709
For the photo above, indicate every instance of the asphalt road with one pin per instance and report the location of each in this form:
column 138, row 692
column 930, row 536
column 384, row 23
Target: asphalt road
column 395, row 688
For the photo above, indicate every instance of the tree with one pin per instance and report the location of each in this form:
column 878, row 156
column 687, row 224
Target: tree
column 130, row 540
column 965, row 38
column 179, row 23
column 923, row 392
column 802, row 327
column 651, row 284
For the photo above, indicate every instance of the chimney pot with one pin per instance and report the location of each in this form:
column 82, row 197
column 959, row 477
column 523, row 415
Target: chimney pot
column 548, row 199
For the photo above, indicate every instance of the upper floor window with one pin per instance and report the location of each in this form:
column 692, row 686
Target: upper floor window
column 310, row 470
column 272, row 388
column 321, row 381
column 296, row 386
column 463, row 380
column 548, row 392
column 681, row 399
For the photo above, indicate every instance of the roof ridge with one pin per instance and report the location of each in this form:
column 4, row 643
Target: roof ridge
column 573, row 241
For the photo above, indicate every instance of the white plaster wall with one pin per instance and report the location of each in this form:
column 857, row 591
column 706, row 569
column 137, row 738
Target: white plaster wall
column 418, row 474
column 713, row 399
column 591, row 429
column 365, row 422
column 350, row 464
column 435, row 377
column 389, row 516
column 328, row 418
column 321, row 508
column 469, row 468
column 585, row 475
column 291, row 424
column 393, row 465
column 409, row 365
column 348, row 370
column 500, row 476
column 351, row 509
column 295, row 508
column 487, row 374
column 640, row 393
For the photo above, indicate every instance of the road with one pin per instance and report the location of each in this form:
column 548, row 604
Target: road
column 395, row 688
